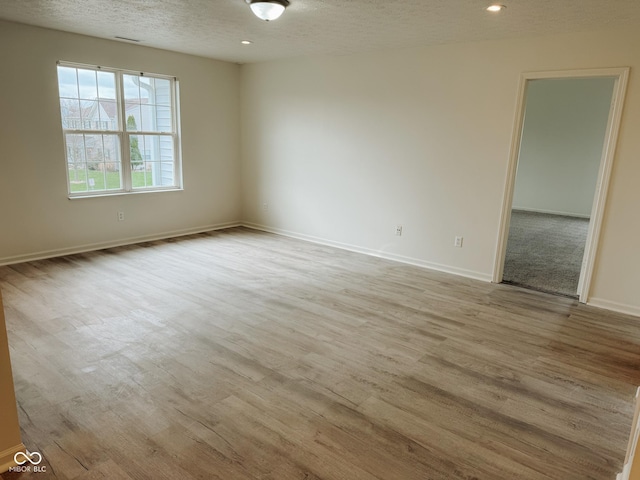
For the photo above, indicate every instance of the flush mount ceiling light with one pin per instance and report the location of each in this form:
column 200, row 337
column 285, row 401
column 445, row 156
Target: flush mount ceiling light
column 495, row 8
column 268, row 10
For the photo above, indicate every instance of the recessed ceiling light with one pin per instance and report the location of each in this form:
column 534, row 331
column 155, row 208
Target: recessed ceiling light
column 495, row 8
column 246, row 42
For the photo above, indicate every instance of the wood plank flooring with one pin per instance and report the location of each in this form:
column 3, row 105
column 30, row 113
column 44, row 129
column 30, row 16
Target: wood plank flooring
column 244, row 355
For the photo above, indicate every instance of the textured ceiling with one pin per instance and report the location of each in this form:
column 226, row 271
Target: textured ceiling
column 214, row 28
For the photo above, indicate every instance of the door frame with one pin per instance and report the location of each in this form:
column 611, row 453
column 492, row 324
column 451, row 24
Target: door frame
column 621, row 76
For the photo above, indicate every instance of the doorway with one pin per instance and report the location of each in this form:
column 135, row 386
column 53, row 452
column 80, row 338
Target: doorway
column 562, row 153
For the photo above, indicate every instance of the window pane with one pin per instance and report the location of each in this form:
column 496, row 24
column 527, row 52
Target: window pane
column 166, row 148
column 164, row 119
column 152, row 160
column 91, row 112
column 147, row 104
column 107, row 85
column 108, row 115
column 87, row 84
column 93, row 149
column 76, row 166
column 133, row 115
column 147, row 123
column 93, row 162
column 90, row 115
column 70, row 112
column 95, row 176
column 146, row 83
column 163, row 92
column 67, row 82
column 114, row 176
column 135, row 152
column 131, row 89
column 139, row 178
column 77, row 178
column 166, row 177
column 132, row 121
column 155, row 119
column 75, row 149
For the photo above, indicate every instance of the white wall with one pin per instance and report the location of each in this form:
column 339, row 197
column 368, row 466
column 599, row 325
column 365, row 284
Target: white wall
column 344, row 148
column 562, row 142
column 37, row 218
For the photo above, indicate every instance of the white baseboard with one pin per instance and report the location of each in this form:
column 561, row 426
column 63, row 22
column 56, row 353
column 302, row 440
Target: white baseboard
column 28, row 257
column 614, row 306
column 551, row 212
column 374, row 253
column 632, row 460
column 6, row 457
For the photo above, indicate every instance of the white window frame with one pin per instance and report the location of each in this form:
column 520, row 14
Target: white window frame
column 124, row 135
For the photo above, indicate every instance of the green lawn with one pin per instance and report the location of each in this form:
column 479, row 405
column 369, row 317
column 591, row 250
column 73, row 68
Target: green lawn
column 78, row 180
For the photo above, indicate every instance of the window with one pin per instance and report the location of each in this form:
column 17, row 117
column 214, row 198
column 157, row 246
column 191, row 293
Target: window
column 120, row 130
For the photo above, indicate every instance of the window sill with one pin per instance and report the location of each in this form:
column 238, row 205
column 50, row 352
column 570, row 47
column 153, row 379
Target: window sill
column 121, row 193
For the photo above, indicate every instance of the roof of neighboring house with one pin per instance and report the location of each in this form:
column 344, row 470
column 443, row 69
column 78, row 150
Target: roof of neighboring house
column 107, row 107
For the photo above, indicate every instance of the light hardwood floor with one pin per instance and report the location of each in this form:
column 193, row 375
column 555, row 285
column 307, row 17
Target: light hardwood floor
column 244, row 355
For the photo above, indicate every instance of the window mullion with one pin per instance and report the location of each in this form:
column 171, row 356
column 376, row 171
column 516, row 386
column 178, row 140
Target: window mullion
column 177, row 134
column 124, row 136
column 176, row 159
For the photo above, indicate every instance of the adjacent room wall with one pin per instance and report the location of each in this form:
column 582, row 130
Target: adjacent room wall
column 343, row 149
column 37, row 217
column 562, row 142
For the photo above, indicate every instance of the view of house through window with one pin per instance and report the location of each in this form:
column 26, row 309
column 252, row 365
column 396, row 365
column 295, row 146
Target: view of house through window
column 120, row 130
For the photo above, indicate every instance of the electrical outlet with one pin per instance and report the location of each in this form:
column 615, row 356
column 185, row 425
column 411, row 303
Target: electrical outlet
column 457, row 242
column 121, row 216
column 265, row 207
column 399, row 230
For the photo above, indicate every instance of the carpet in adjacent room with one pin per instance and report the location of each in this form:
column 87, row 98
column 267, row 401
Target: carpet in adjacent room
column 545, row 251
